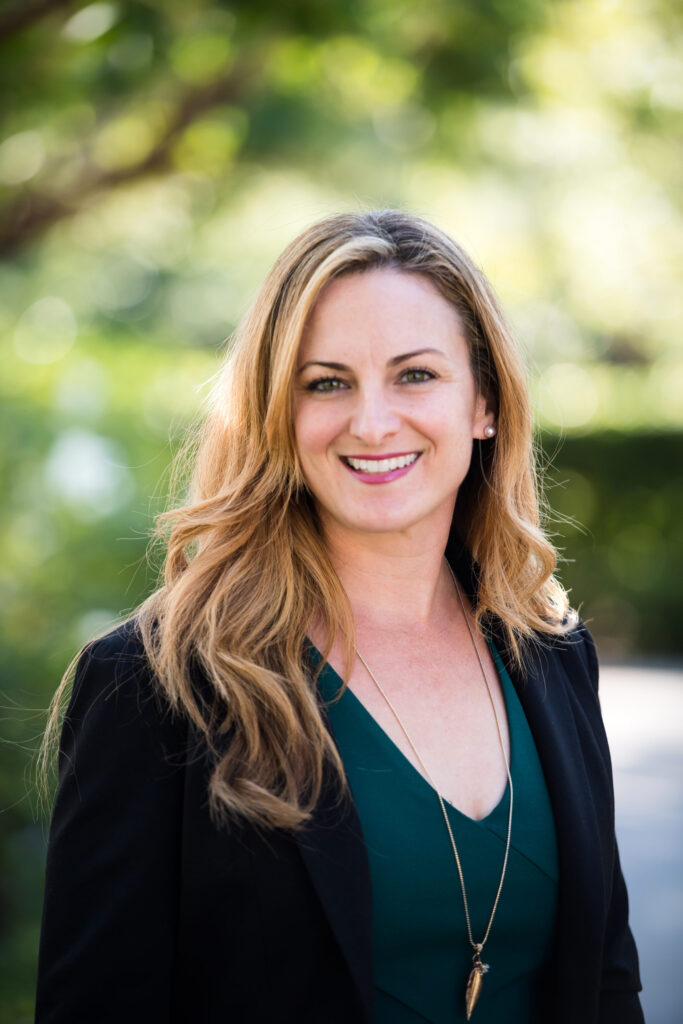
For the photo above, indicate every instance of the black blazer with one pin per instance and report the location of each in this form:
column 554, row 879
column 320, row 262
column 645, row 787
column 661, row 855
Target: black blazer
column 153, row 915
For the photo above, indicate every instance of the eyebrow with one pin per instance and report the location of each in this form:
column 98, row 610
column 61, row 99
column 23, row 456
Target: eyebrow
column 392, row 362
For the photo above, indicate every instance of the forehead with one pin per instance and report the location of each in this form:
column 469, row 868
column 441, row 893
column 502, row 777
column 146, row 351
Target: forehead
column 380, row 308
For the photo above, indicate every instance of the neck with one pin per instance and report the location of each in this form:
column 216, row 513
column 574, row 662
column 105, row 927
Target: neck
column 392, row 581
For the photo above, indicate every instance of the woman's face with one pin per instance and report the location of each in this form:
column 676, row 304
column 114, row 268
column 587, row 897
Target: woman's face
column 385, row 403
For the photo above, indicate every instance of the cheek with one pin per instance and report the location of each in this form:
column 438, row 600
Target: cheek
column 315, row 427
column 449, row 422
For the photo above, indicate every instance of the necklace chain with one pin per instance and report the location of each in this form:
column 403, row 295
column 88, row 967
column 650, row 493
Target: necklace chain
column 476, row 946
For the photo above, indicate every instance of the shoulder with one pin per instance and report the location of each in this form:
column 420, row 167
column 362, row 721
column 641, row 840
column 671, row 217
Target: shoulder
column 112, row 666
column 568, row 660
column 576, row 648
column 116, row 661
column 115, row 694
column 122, row 650
column 571, row 652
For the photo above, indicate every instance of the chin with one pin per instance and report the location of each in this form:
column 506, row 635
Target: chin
column 378, row 523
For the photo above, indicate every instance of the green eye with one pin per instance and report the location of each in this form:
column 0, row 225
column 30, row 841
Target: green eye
column 325, row 384
column 417, row 376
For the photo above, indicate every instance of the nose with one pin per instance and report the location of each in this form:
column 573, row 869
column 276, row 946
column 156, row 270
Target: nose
column 373, row 418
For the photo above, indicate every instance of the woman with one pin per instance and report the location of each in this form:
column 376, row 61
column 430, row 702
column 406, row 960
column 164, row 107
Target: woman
column 240, row 835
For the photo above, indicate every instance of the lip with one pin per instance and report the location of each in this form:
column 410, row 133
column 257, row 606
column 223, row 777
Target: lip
column 380, row 478
column 384, row 455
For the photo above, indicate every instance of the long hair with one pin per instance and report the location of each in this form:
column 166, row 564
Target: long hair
column 246, row 568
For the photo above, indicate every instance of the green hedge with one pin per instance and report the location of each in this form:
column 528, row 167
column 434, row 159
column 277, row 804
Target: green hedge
column 624, row 553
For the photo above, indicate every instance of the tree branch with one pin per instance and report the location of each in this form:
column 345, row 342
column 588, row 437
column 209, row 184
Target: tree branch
column 29, row 216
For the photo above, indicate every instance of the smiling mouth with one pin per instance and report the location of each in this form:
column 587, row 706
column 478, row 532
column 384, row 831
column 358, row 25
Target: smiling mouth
column 379, row 465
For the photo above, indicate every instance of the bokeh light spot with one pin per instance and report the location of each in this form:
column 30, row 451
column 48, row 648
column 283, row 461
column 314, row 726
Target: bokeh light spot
column 91, row 22
column 21, row 157
column 124, row 141
column 201, row 57
column 123, row 286
column 210, row 144
column 87, row 472
column 45, row 331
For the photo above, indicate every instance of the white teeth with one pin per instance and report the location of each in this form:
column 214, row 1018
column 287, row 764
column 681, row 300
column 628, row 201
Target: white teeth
column 382, row 465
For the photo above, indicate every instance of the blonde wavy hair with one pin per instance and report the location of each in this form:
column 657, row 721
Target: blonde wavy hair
column 246, row 567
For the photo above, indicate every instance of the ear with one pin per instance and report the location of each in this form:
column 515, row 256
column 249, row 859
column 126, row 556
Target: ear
column 484, row 418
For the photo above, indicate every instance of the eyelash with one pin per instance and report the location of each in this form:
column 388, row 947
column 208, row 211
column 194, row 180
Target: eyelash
column 420, row 369
column 314, row 385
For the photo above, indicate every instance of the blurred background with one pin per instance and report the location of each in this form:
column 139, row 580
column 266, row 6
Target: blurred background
column 155, row 157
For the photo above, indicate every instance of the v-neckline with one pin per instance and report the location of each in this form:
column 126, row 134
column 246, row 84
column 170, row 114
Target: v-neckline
column 395, row 751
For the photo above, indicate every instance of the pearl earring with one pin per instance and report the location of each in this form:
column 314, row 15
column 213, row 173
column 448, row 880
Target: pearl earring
column 489, row 431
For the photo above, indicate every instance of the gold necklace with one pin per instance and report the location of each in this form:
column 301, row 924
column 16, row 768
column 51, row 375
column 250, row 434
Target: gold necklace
column 479, row 969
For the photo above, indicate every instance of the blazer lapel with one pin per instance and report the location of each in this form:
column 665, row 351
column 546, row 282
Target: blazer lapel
column 333, row 850
column 545, row 692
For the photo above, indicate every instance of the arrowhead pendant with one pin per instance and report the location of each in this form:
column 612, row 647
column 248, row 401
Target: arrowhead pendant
column 474, row 983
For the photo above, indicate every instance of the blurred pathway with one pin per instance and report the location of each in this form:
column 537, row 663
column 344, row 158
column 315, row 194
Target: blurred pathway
column 643, row 711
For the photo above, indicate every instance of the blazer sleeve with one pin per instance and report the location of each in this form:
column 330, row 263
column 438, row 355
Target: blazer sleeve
column 110, row 906
column 619, row 1000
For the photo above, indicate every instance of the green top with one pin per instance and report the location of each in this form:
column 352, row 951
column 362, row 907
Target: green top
column 422, row 955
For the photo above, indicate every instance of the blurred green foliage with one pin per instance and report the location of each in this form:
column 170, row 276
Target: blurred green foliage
column 617, row 501
column 155, row 156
